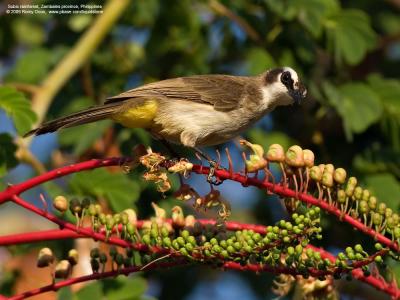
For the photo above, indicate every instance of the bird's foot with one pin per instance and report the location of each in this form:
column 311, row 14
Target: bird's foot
column 211, row 178
column 214, row 165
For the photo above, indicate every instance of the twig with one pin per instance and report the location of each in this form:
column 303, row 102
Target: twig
column 124, row 271
column 24, row 155
column 75, row 58
column 221, row 9
column 222, row 174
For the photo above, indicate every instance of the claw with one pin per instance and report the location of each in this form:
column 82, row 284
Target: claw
column 211, row 178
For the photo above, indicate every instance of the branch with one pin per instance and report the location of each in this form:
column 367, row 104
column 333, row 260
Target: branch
column 12, row 194
column 283, row 191
column 277, row 189
column 225, row 11
column 66, row 233
column 63, row 171
column 110, row 274
column 71, row 231
column 377, row 282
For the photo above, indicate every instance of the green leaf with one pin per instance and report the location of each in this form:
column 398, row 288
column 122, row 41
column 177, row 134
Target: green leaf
column 285, row 9
column 80, row 22
column 389, row 92
column 312, row 13
column 259, row 60
column 90, row 291
column 32, row 66
column 350, row 36
column 357, row 104
column 36, row 34
column 117, row 188
column 126, row 288
column 385, row 187
column 2, row 186
column 18, row 108
column 7, row 153
column 65, row 293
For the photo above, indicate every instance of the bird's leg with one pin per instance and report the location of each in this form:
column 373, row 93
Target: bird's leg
column 213, row 165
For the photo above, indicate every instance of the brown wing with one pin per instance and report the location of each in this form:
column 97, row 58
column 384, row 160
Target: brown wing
column 224, row 92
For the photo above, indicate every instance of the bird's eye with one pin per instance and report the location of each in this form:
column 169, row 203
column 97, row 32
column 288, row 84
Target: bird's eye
column 286, row 79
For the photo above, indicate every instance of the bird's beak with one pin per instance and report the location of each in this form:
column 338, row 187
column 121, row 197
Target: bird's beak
column 298, row 93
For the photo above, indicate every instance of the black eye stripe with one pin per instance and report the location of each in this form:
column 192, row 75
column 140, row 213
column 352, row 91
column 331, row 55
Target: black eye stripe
column 287, row 80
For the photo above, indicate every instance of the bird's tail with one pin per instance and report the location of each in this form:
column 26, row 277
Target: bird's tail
column 89, row 115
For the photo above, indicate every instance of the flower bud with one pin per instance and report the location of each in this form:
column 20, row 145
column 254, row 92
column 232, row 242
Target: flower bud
column 98, row 208
column 151, row 160
column 365, row 195
column 358, row 193
column 63, row 269
column 329, row 168
column 45, row 258
column 182, row 167
column 117, row 218
column 60, row 203
column 159, row 212
column 327, row 179
column 124, row 218
column 372, row 202
column 363, row 207
column 340, row 175
column 132, row 217
column 276, row 153
column 316, row 173
column 308, row 157
column 94, row 253
column 256, row 161
column 190, row 220
column 92, row 210
column 75, row 206
column 294, row 156
column 178, row 218
column 381, row 208
column 94, row 263
column 73, row 257
column 341, row 196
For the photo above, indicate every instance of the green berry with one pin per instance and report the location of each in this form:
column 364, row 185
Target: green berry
column 146, row 239
column 94, row 253
column 103, row 258
column 358, row 248
column 189, row 247
column 60, row 203
column 185, row 233
column 167, row 242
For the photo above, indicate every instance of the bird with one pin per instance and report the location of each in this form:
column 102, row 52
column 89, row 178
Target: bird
column 194, row 111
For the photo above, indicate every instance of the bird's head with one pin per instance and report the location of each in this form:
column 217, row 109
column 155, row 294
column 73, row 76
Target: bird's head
column 282, row 86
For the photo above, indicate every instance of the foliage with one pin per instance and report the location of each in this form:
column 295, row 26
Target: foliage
column 345, row 52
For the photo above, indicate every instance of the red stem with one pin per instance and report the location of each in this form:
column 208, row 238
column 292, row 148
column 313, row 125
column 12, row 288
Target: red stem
column 222, row 174
column 125, row 271
column 59, row 234
column 378, row 283
column 288, row 193
column 35, row 181
column 12, row 191
column 68, row 233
